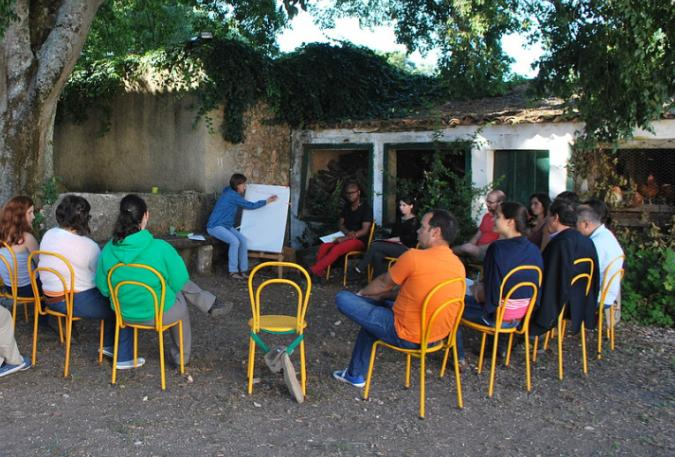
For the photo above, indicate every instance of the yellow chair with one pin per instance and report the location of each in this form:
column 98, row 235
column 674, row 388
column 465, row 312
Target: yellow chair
column 68, row 288
column 278, row 324
column 523, row 329
column 561, row 325
column 159, row 327
column 13, row 295
column 352, row 254
column 427, row 347
column 606, row 284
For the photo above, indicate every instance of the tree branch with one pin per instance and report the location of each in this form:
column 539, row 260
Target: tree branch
column 59, row 52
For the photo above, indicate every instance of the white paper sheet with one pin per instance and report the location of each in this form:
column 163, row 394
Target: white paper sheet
column 265, row 228
column 332, row 237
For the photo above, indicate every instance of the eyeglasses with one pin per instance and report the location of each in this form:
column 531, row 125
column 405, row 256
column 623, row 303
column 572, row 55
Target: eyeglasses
column 491, row 202
column 352, row 192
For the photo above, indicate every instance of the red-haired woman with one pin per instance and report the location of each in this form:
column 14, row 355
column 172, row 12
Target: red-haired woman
column 16, row 230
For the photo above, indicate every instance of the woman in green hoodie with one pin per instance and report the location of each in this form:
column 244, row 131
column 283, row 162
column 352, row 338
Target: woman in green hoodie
column 132, row 243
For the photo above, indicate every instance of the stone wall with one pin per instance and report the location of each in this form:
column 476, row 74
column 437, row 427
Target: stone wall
column 186, row 211
column 153, row 141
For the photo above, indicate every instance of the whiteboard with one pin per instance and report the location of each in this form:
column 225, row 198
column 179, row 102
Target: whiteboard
column 265, row 228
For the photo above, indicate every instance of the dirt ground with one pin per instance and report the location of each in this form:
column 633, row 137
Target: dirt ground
column 626, row 405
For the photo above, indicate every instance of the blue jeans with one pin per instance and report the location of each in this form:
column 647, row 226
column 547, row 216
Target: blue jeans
column 377, row 323
column 474, row 312
column 90, row 304
column 237, row 253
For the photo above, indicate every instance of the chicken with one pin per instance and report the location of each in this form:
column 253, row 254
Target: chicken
column 650, row 189
column 638, row 200
column 615, row 196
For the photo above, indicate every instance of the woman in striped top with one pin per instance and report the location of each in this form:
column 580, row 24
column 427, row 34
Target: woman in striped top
column 512, row 250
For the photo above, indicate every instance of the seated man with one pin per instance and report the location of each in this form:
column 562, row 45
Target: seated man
column 416, row 272
column 477, row 246
column 355, row 221
column 589, row 223
column 566, row 246
column 11, row 360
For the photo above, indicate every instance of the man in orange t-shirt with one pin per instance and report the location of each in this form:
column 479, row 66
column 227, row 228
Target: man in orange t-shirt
column 477, row 246
column 416, row 272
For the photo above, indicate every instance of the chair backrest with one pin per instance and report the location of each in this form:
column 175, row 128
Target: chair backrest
column 427, row 323
column 607, row 283
column 371, row 233
column 11, row 268
column 303, row 293
column 67, row 286
column 158, row 302
column 504, row 298
column 588, row 275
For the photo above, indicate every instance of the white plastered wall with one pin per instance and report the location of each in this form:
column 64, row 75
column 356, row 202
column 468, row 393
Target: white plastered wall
column 557, row 138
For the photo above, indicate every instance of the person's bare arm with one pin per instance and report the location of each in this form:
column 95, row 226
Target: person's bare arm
column 363, row 231
column 378, row 287
column 30, row 241
column 475, row 238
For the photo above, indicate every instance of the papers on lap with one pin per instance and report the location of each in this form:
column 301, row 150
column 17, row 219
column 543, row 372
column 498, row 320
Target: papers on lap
column 332, row 237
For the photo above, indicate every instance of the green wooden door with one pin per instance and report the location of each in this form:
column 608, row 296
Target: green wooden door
column 520, row 173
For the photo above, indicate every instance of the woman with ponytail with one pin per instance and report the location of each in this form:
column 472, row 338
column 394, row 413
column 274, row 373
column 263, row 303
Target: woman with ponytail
column 71, row 241
column 512, row 250
column 133, row 243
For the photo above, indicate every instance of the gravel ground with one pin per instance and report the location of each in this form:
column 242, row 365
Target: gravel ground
column 626, row 405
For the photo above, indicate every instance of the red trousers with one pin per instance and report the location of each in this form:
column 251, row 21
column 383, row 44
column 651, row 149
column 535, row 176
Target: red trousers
column 330, row 252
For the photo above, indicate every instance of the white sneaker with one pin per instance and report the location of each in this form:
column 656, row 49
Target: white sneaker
column 129, row 364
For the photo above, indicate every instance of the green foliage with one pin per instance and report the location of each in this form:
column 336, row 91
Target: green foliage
column 442, row 187
column 94, row 86
column 614, row 61
column 237, row 76
column 48, row 194
column 648, row 286
column 7, row 15
column 468, row 33
column 322, row 82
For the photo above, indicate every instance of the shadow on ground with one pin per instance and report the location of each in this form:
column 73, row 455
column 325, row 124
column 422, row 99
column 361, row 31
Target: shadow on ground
column 624, row 407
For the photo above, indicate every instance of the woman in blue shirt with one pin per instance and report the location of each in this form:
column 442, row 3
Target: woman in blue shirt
column 221, row 224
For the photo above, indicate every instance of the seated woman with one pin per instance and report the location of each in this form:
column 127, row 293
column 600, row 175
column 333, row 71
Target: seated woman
column 17, row 231
column 539, row 204
column 403, row 238
column 71, row 241
column 133, row 243
column 355, row 221
column 503, row 255
column 221, row 224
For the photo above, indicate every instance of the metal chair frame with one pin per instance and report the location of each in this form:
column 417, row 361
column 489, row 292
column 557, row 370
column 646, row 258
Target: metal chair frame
column 158, row 326
column 276, row 324
column 523, row 329
column 68, row 288
column 426, row 325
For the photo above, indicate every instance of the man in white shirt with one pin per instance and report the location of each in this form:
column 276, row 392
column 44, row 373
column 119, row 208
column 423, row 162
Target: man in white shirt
column 589, row 223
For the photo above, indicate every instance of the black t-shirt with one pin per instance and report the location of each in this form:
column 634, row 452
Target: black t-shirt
column 407, row 231
column 354, row 219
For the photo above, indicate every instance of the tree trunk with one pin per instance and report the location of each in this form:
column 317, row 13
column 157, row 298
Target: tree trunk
column 37, row 55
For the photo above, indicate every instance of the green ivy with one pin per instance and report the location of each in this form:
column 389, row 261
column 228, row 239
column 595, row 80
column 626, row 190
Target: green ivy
column 319, row 83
